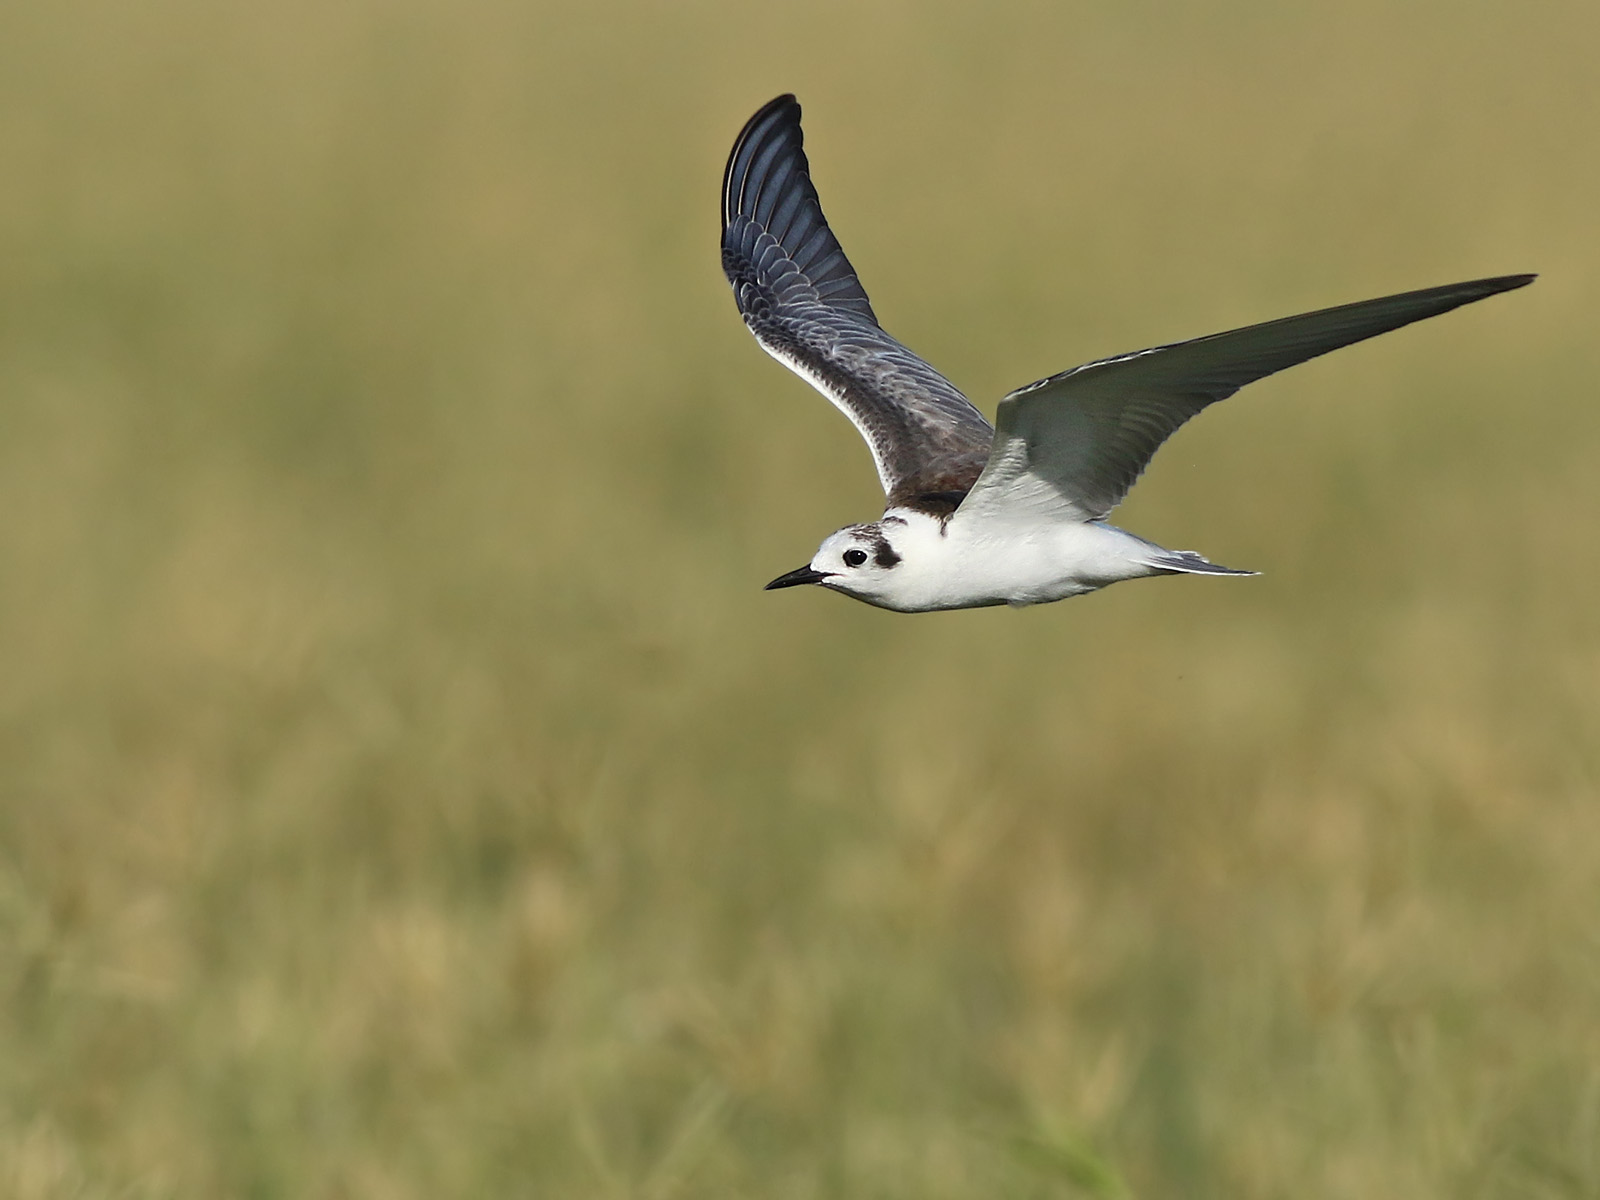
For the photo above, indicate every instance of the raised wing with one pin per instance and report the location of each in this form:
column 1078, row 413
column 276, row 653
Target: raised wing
column 1070, row 447
column 800, row 297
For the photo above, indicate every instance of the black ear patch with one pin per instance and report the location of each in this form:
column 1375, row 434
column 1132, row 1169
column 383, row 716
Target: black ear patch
column 883, row 554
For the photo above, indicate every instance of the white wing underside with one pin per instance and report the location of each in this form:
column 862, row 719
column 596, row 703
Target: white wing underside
column 837, row 399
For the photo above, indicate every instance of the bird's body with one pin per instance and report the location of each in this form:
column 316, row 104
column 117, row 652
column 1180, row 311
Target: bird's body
column 979, row 515
column 921, row 563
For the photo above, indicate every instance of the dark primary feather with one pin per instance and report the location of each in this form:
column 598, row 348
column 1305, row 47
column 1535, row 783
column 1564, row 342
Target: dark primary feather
column 1089, row 432
column 800, row 297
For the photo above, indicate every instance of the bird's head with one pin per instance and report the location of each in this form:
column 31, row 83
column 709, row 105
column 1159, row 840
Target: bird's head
column 859, row 560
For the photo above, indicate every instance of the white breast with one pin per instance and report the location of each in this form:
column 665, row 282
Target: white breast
column 965, row 564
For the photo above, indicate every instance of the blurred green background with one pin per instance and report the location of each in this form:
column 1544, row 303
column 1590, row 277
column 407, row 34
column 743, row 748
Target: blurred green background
column 407, row 791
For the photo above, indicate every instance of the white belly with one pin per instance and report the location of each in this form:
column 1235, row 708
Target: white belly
column 1027, row 564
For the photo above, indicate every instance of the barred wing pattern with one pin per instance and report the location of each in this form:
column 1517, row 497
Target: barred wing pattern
column 801, row 299
column 1070, row 446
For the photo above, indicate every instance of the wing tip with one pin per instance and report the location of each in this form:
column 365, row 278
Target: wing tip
column 1506, row 283
column 767, row 191
column 762, row 115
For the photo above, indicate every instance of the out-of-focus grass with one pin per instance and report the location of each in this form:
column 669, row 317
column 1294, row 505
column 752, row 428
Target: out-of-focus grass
column 408, row 791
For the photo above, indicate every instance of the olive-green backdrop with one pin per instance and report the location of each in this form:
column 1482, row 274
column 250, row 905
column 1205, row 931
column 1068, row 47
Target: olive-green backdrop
column 407, row 791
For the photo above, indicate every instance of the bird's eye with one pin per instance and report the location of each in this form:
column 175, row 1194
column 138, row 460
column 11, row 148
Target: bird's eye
column 854, row 558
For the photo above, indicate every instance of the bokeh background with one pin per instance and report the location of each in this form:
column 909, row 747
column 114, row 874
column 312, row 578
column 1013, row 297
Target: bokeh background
column 407, row 791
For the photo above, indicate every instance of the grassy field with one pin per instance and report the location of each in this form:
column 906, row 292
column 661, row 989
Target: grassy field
column 407, row 791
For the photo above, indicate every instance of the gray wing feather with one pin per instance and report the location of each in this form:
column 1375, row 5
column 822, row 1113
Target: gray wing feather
column 800, row 297
column 1077, row 441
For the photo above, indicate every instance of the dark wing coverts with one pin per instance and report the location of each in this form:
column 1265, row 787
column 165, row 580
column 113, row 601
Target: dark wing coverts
column 800, row 297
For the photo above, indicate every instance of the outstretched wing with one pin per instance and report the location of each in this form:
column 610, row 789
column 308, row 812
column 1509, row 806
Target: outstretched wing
column 1072, row 445
column 800, row 297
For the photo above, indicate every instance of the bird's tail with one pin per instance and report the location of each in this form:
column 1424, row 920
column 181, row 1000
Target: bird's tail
column 1187, row 562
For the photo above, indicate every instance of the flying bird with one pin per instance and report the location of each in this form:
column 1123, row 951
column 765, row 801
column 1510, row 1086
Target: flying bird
column 978, row 515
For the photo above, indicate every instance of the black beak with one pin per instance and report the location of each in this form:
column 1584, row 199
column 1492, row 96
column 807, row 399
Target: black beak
column 803, row 575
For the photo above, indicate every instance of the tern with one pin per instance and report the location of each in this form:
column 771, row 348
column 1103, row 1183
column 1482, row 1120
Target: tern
column 978, row 515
